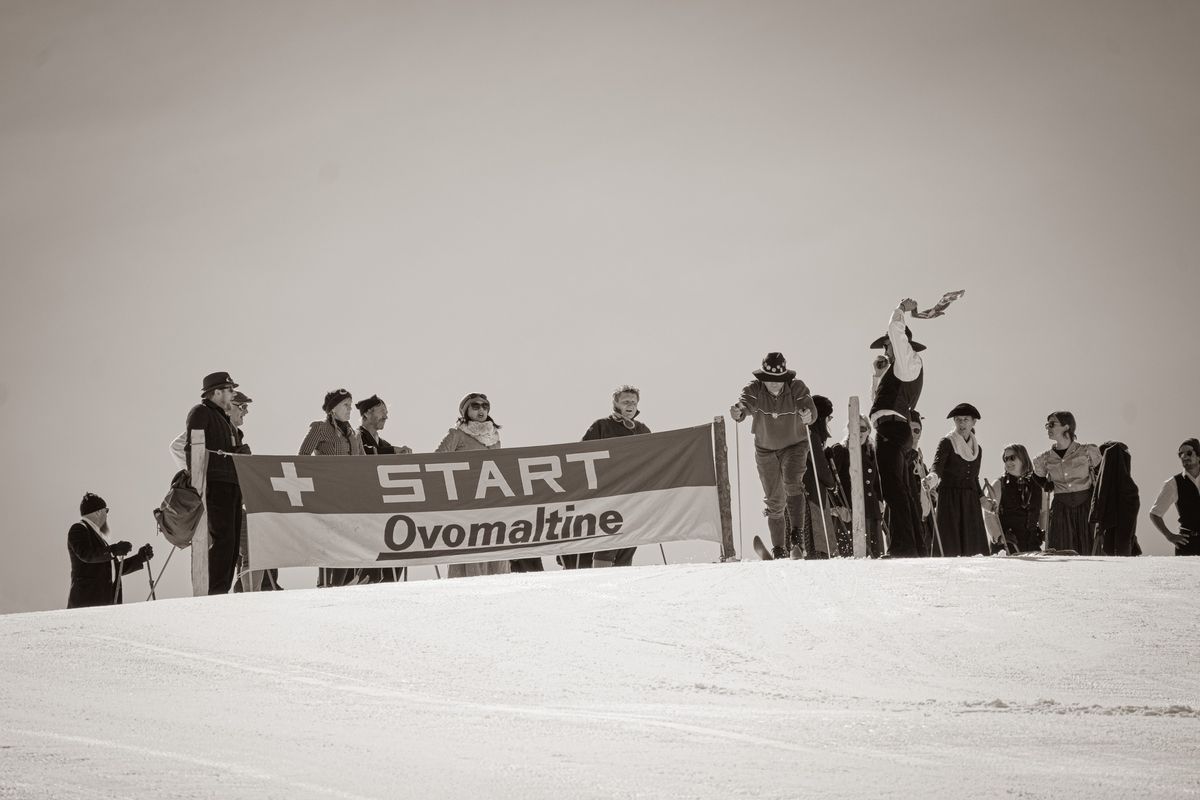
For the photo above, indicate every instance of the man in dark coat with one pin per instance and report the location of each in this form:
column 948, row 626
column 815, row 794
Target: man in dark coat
column 224, row 497
column 621, row 422
column 374, row 413
column 1115, row 503
column 94, row 578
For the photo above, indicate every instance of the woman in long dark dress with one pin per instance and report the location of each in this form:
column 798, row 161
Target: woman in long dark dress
column 956, row 463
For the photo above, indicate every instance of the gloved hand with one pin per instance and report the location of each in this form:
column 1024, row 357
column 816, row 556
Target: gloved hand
column 807, row 417
column 145, row 552
column 120, row 549
column 737, row 412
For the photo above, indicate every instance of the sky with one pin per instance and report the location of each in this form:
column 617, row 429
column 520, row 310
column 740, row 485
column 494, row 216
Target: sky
column 544, row 200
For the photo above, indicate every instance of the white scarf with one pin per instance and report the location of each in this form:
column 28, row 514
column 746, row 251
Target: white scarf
column 968, row 452
column 99, row 532
column 483, row 432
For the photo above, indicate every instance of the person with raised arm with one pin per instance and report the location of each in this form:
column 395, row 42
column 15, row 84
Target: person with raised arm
column 1183, row 492
column 899, row 379
column 781, row 409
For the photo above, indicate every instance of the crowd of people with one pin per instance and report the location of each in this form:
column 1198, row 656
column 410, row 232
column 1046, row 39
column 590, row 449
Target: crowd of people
column 910, row 509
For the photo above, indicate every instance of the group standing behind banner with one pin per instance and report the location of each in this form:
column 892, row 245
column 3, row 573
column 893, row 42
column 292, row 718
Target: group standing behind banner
column 912, row 510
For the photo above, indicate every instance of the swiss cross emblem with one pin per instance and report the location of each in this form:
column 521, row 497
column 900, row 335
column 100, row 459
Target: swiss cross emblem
column 292, row 484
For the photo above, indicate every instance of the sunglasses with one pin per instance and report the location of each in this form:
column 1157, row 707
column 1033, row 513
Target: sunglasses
column 1010, row 457
column 480, row 406
column 1050, row 425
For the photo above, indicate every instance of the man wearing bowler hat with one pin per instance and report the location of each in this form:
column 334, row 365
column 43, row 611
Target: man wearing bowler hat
column 899, row 378
column 223, row 496
column 781, row 408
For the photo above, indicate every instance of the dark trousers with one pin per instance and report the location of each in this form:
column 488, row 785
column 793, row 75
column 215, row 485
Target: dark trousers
column 893, row 440
column 581, row 561
column 622, row 557
column 526, row 565
column 224, row 509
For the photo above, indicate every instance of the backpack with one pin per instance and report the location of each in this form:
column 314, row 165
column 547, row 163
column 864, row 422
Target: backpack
column 179, row 512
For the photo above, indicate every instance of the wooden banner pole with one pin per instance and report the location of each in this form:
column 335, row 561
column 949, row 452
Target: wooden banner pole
column 720, row 451
column 856, row 481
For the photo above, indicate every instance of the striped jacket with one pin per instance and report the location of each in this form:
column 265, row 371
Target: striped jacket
column 324, row 439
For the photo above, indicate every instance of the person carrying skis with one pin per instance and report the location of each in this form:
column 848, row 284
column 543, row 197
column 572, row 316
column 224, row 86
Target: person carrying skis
column 781, row 409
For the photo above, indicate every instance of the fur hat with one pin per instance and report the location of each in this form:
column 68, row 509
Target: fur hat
column 774, row 368
column 91, row 502
column 333, row 399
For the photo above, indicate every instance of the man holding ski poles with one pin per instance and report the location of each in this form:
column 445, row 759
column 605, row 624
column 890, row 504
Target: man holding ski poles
column 95, row 578
column 781, row 409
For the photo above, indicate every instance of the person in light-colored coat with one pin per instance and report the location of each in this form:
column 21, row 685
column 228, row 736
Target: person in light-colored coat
column 476, row 430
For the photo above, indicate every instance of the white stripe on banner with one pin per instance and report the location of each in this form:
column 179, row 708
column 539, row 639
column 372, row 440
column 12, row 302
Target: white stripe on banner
column 457, row 537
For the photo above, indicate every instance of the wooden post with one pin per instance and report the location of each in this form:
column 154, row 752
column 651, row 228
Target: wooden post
column 199, row 470
column 856, row 482
column 722, row 461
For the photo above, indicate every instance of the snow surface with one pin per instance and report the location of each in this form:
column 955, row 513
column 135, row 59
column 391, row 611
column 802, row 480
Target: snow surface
column 1054, row 677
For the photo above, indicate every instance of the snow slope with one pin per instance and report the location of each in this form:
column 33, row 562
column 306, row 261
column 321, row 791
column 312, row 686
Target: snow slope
column 976, row 677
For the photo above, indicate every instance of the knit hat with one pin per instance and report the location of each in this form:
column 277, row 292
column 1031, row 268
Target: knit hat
column 91, row 502
column 364, row 406
column 964, row 410
column 333, row 399
column 462, row 406
column 774, row 368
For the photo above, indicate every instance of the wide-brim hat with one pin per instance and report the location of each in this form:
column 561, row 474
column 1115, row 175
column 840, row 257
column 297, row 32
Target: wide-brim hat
column 774, row 369
column 882, row 340
column 217, row 380
column 964, row 410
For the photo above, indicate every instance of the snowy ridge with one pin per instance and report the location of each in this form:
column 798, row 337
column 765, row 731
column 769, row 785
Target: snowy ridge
column 1068, row 677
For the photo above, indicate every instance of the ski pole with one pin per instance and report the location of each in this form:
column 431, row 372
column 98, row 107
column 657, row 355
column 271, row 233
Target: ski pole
column 812, row 453
column 161, row 571
column 664, row 552
column 117, row 582
column 150, row 579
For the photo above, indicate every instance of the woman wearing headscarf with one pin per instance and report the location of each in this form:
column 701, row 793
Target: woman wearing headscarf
column 1016, row 500
column 956, row 464
column 333, row 436
column 476, row 430
column 1068, row 469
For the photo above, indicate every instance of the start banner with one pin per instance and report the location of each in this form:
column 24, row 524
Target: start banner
column 480, row 505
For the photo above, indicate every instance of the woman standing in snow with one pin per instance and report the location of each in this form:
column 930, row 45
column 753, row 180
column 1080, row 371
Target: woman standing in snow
column 1068, row 468
column 839, row 459
column 956, row 464
column 1017, row 502
column 476, row 430
column 333, row 436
